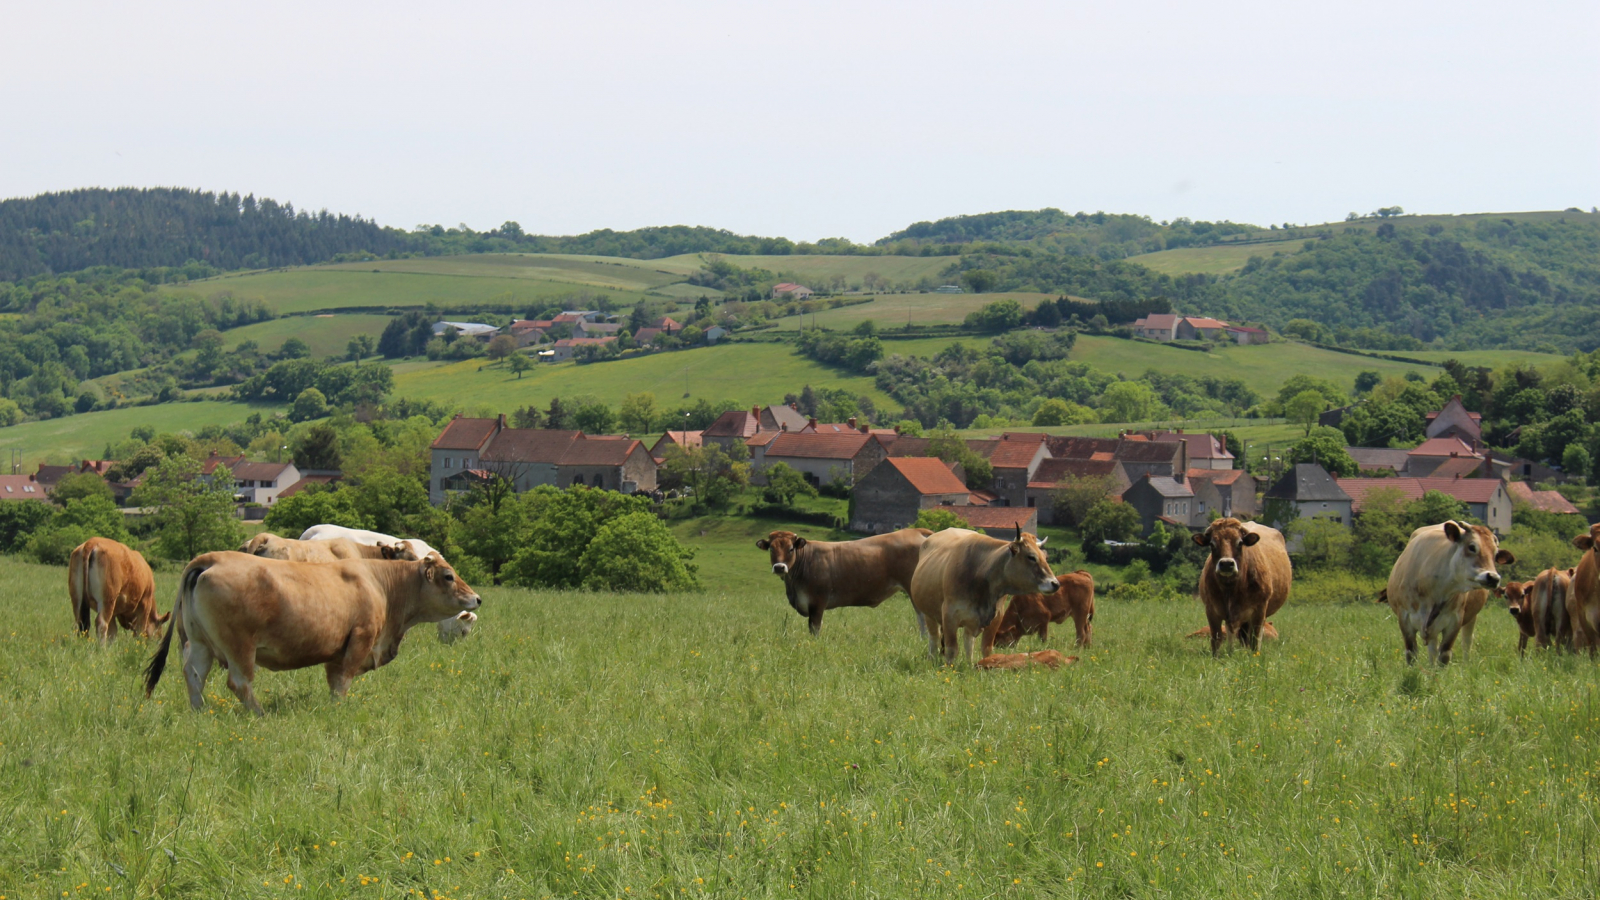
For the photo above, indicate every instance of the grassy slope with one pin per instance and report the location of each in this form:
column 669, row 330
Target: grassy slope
column 327, row 335
column 704, row 745
column 894, row 268
column 890, row 310
column 1218, row 260
column 748, row 373
column 86, row 435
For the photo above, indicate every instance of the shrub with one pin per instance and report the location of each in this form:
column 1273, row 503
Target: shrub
column 635, row 552
column 939, row 519
column 316, row 505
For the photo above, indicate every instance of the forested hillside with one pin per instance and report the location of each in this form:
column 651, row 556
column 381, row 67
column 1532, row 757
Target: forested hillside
column 134, row 228
column 1100, row 235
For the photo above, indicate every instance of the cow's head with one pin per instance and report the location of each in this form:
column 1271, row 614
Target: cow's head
column 1516, row 594
column 1028, row 567
column 1026, row 614
column 401, row 550
column 444, row 594
column 260, row 545
column 1588, row 541
column 783, row 547
column 1227, row 539
column 1477, row 553
column 456, row 627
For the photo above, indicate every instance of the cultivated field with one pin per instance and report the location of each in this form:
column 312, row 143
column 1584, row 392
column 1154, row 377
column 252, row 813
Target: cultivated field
column 704, row 745
column 1216, row 260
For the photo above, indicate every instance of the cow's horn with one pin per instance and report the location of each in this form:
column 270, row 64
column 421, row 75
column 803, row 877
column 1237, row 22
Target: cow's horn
column 1019, row 530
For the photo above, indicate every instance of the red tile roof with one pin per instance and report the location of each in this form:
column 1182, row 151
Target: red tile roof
column 928, row 475
column 20, row 487
column 793, row 445
column 465, row 434
column 211, row 463
column 1204, row 322
column 1052, row 472
column 1216, row 476
column 998, row 516
column 1467, row 490
column 1015, row 454
column 1545, row 501
column 1444, row 446
column 1458, row 467
column 1158, row 320
column 305, row 482
column 258, row 471
column 599, row 451
column 733, row 423
column 529, row 445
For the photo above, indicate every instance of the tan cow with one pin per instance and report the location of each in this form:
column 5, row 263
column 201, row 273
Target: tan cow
column 1033, row 613
column 1051, row 659
column 1440, row 583
column 1583, row 609
column 823, row 575
column 961, row 577
column 116, row 583
column 348, row 616
column 1519, row 602
column 1246, row 579
column 271, row 546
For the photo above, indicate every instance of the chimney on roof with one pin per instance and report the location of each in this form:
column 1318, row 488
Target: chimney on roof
column 755, row 411
column 784, row 426
column 795, row 407
column 812, row 423
column 897, row 429
column 502, row 421
column 852, row 421
column 213, row 453
column 865, row 428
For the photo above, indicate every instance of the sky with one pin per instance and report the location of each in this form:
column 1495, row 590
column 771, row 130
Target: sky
column 810, row 120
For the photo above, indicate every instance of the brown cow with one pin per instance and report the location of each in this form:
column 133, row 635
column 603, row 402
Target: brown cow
column 1583, row 609
column 823, row 575
column 1246, row 579
column 116, row 581
column 1440, row 583
column 1033, row 613
column 271, row 546
column 1051, row 659
column 348, row 616
column 961, row 577
column 1519, row 602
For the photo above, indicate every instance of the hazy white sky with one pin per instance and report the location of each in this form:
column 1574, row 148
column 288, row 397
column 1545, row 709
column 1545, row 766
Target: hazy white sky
column 809, row 120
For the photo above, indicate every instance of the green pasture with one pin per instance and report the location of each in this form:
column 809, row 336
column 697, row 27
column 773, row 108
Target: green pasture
column 1492, row 358
column 704, row 745
column 86, row 435
column 1215, row 260
column 894, row 268
column 334, row 287
column 748, row 373
column 890, row 311
column 326, row 334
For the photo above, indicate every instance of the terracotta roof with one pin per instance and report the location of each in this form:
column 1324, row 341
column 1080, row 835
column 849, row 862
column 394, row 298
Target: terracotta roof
column 676, row 439
column 837, row 428
column 530, row 445
column 20, row 487
column 1081, row 447
column 1444, row 446
column 998, row 516
column 1015, row 454
column 1546, row 501
column 1458, row 467
column 928, row 475
column 1307, row 482
column 761, row 438
column 788, row 287
column 1158, row 320
column 1246, row 329
column 258, row 471
column 1379, row 457
column 465, row 434
column 305, row 482
column 646, row 335
column 1024, row 436
column 599, row 451
column 1467, row 490
column 211, row 463
column 667, row 324
column 52, row 474
column 905, row 445
column 980, row 498
column 1204, row 322
column 793, row 445
column 733, row 423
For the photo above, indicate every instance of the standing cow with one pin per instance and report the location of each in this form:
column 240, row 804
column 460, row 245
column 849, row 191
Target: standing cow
column 1440, row 583
column 823, row 575
column 1033, row 613
column 348, row 616
column 961, row 577
column 1519, row 602
column 1583, row 608
column 1246, row 578
column 114, row 582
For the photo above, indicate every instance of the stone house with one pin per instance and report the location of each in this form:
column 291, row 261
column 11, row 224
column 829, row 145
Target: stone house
column 1487, row 499
column 1305, row 491
column 1158, row 497
column 471, row 451
column 889, row 497
column 1226, row 493
column 821, row 458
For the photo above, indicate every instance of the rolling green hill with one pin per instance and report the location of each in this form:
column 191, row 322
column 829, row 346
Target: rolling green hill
column 85, row 436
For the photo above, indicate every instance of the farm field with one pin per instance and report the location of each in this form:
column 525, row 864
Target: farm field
column 85, row 435
column 326, row 334
column 1215, row 260
column 747, row 373
column 892, row 310
column 703, row 745
column 894, row 268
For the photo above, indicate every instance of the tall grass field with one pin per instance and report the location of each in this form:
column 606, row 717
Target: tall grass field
column 704, row 745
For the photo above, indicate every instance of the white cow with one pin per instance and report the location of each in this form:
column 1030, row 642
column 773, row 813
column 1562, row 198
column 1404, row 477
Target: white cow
column 362, row 536
column 1440, row 583
column 452, row 630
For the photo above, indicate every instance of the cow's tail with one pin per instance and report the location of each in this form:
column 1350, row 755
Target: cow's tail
column 78, row 580
column 152, row 672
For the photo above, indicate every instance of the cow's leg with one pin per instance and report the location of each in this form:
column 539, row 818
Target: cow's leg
column 241, row 672
column 1408, row 634
column 1044, row 632
column 815, row 623
column 1218, row 631
column 966, row 644
column 1446, row 635
column 355, row 660
column 1081, row 625
column 1253, row 626
column 989, row 633
column 935, row 639
column 951, row 637
column 922, row 623
column 106, row 626
column 197, row 660
column 1464, row 639
column 1522, row 644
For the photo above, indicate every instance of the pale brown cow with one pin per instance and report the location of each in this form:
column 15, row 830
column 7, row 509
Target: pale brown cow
column 1051, row 659
column 271, row 546
column 823, row 575
column 1440, row 583
column 1583, row 610
column 348, row 616
column 1033, row 613
column 115, row 582
column 1246, row 579
column 961, row 577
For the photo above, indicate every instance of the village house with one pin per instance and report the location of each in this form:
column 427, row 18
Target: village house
column 685, row 439
column 1054, row 474
column 262, row 482
column 1015, row 462
column 741, row 424
column 889, row 496
column 1206, row 451
column 1487, row 499
column 1158, row 497
column 1544, row 501
column 1305, row 491
column 527, row 332
column 472, row 451
column 821, row 458
column 1243, row 334
column 791, row 290
column 1173, row 327
column 567, row 348
column 595, row 329
column 1455, row 421
column 466, row 329
column 22, row 487
column 1446, row 457
column 1230, row 493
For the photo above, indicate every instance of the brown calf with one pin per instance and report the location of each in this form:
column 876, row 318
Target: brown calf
column 1519, row 602
column 1048, row 658
column 1033, row 613
column 114, row 581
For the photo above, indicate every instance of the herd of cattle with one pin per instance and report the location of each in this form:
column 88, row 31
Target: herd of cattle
column 344, row 598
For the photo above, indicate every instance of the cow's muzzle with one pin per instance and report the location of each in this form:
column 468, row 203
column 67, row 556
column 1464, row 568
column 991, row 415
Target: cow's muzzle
column 1227, row 567
column 780, row 568
column 1049, row 587
column 1490, row 580
column 475, row 602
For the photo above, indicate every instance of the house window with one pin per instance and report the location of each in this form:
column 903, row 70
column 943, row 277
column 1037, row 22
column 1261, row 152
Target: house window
column 447, row 462
column 1030, row 501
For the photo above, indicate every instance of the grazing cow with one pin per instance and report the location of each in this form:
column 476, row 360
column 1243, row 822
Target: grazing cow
column 1269, row 632
column 348, row 616
column 1049, row 658
column 115, row 582
column 456, row 627
column 1033, row 613
column 962, row 575
column 1583, row 607
column 1246, row 579
column 823, row 575
column 362, row 536
column 270, row 546
column 1440, row 583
